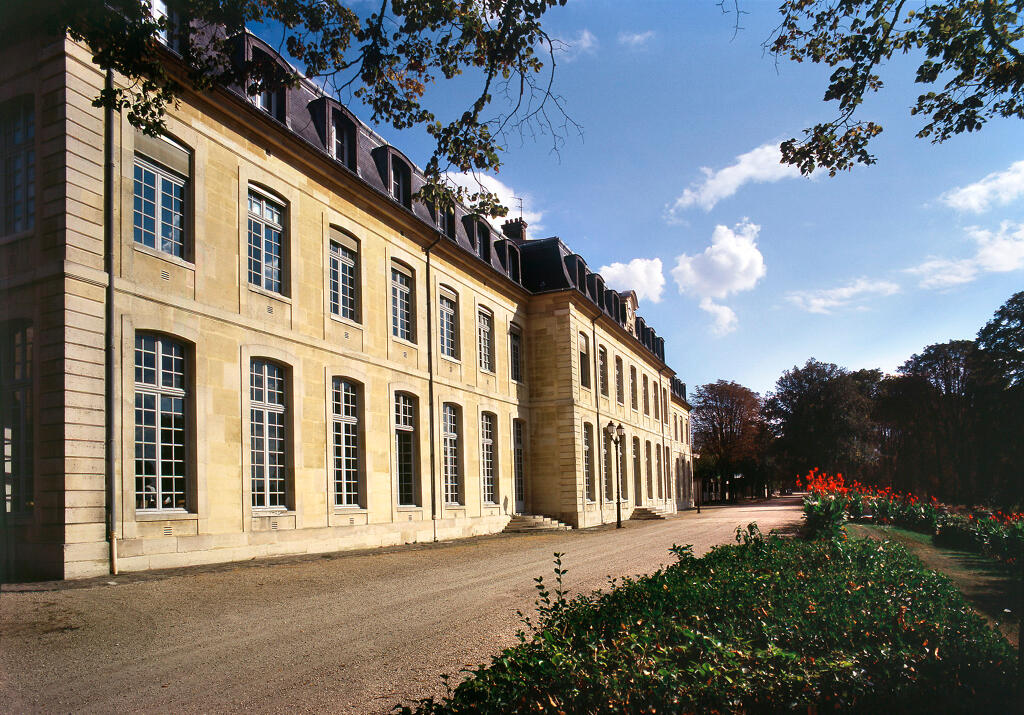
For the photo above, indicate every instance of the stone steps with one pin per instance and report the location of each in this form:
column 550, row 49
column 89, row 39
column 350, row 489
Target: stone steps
column 646, row 513
column 534, row 522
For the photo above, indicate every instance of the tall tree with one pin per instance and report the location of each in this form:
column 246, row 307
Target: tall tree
column 970, row 56
column 386, row 54
column 1002, row 340
column 726, row 429
column 820, row 415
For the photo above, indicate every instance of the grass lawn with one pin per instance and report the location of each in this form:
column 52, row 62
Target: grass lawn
column 990, row 586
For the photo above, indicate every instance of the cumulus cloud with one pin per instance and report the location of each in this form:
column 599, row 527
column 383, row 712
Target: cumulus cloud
column 507, row 195
column 572, row 48
column 642, row 275
column 826, row 300
column 758, row 166
column 999, row 251
column 732, row 263
column 723, row 317
column 635, row 40
column 996, row 189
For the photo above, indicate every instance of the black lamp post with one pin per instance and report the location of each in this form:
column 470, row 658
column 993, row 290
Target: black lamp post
column 616, row 434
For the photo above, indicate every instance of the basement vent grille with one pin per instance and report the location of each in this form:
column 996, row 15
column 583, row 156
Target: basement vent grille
column 273, row 524
column 270, row 309
column 168, row 530
column 165, row 275
column 410, row 517
column 351, row 520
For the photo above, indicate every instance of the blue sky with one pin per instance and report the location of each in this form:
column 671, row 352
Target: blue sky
column 761, row 269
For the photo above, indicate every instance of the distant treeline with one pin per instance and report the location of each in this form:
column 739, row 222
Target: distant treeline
column 949, row 423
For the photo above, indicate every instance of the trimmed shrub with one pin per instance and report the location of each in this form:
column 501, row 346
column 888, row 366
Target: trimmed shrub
column 767, row 625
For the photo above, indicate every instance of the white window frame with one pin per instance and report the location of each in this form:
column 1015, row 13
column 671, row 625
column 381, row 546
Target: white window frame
column 448, row 324
column 515, row 353
column 519, row 459
column 403, row 325
column 169, row 444
column 341, row 133
column 489, row 457
column 485, row 339
column 346, row 458
column 451, row 428
column 343, row 281
column 405, row 409
column 588, row 461
column 269, row 222
column 167, row 237
column 270, row 453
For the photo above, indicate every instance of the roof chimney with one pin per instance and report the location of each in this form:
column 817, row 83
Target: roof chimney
column 515, row 229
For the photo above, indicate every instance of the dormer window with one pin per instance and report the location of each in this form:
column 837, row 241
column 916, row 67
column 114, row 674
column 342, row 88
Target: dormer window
column 343, row 139
column 400, row 181
column 483, row 241
column 447, row 221
column 270, row 100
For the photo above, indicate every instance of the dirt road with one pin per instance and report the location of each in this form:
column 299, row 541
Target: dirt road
column 346, row 633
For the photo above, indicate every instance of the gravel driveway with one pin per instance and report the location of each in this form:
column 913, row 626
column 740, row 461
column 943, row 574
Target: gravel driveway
column 354, row 632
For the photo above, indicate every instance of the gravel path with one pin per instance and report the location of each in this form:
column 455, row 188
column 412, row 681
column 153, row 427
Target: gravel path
column 346, row 632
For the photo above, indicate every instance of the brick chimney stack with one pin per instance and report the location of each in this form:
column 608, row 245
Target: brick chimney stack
column 515, row 229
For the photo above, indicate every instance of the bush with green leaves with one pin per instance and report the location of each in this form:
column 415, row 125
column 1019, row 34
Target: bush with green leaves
column 767, row 625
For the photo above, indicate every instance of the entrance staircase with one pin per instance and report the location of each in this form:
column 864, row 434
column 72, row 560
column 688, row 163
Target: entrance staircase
column 534, row 522
column 647, row 513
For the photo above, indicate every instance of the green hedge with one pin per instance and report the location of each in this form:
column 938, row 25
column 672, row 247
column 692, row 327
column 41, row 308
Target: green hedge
column 766, row 625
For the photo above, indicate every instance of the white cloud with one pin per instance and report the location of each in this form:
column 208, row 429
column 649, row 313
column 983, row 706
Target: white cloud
column 571, row 48
column 826, row 300
column 635, row 39
column 723, row 317
column 998, row 188
column 642, row 275
column 732, row 263
column 999, row 251
column 759, row 165
column 508, row 197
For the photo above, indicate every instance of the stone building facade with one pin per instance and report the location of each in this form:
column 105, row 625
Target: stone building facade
column 244, row 339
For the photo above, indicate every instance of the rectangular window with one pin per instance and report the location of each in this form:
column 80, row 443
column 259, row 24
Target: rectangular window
column 401, row 304
column 16, row 418
column 267, row 434
column 657, row 456
column 488, row 468
column 584, row 360
column 485, row 339
column 17, row 165
column 620, row 391
column 483, row 241
column 588, row 467
column 343, row 139
column 345, row 423
column 448, row 222
column 159, row 208
column 609, row 466
column 650, row 472
column 664, row 405
column 266, row 236
column 647, row 398
column 448, row 325
column 632, row 386
column 400, row 176
column 636, row 471
column 450, row 429
column 602, row 369
column 405, row 449
column 657, row 400
column 622, row 468
column 160, row 423
column 343, row 278
column 519, row 460
column 515, row 352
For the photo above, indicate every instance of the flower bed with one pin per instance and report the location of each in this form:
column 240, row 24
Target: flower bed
column 831, row 500
column 767, row 625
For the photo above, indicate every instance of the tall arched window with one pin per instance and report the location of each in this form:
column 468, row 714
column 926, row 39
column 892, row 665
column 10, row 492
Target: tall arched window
column 588, row 461
column 602, row 366
column 650, row 471
column 488, row 457
column 620, row 390
column 405, row 449
column 161, row 398
column 451, row 437
column 268, row 432
column 347, row 467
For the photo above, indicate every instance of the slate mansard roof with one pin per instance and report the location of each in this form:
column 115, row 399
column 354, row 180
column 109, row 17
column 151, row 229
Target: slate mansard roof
column 538, row 265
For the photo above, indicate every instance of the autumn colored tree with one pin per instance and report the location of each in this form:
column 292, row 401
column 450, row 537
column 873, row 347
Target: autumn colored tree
column 726, row 428
column 969, row 55
column 385, row 55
